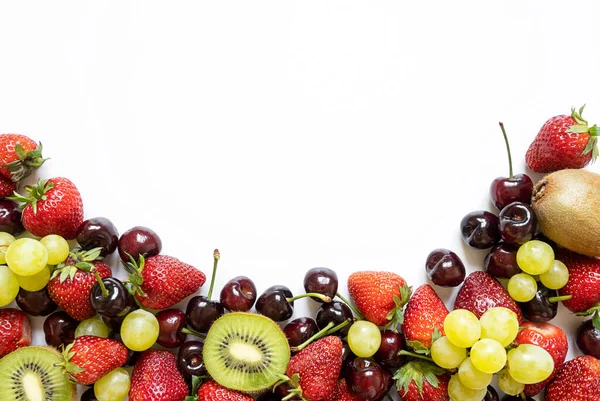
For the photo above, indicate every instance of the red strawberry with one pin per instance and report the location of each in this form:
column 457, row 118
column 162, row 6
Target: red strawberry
column 424, row 313
column 550, row 338
column 343, row 393
column 379, row 296
column 584, row 281
column 422, row 381
column 72, row 281
column 7, row 187
column 15, row 330
column 563, row 142
column 316, row 368
column 19, row 156
column 162, row 281
column 213, row 391
column 52, row 207
column 88, row 358
column 480, row 292
column 156, row 378
column 577, row 380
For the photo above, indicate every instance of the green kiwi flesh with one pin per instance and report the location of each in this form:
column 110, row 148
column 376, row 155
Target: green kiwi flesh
column 567, row 205
column 30, row 374
column 246, row 352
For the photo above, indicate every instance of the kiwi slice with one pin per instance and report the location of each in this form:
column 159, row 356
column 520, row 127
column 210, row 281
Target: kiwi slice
column 30, row 374
column 246, row 352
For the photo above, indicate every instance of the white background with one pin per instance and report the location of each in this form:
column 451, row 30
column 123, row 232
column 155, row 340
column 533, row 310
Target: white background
column 352, row 135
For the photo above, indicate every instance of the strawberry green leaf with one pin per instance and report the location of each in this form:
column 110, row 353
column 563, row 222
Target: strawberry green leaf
column 435, row 335
column 418, row 347
column 415, row 371
column 578, row 129
column 589, row 312
column 577, row 115
column 64, row 273
column 596, row 320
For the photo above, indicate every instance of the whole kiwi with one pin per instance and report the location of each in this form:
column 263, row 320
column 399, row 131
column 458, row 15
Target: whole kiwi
column 567, row 204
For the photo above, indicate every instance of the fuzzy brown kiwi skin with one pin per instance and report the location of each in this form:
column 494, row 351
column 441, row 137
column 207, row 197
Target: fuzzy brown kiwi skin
column 567, row 205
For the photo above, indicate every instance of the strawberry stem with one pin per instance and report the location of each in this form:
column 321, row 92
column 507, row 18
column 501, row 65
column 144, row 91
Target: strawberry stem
column 510, row 167
column 322, row 297
column 356, row 311
column 191, row 332
column 216, row 257
column 100, row 283
column 560, row 299
column 415, row 355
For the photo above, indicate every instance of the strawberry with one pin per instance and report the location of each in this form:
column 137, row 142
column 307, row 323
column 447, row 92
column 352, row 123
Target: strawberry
column 584, row 281
column 424, row 313
column 480, row 292
column 88, row 358
column 72, row 281
column 550, row 338
column 379, row 296
column 422, row 381
column 577, row 380
column 314, row 371
column 563, row 142
column 19, row 156
column 213, row 391
column 7, row 187
column 343, row 393
column 15, row 330
column 52, row 206
column 156, row 378
column 162, row 281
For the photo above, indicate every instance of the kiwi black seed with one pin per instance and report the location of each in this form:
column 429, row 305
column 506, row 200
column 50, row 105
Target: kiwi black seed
column 31, row 374
column 246, row 352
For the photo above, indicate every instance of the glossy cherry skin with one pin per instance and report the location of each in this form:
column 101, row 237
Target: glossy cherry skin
column 367, row 378
column 392, row 342
column 321, row 280
column 300, row 330
column 98, row 232
column 517, row 223
column 540, row 309
column 492, row 394
column 273, row 303
column 139, row 241
column 238, row 294
column 190, row 360
column 588, row 339
column 501, row 261
column 36, row 303
column 170, row 322
column 444, row 268
column 10, row 217
column 480, row 229
column 118, row 302
column 336, row 312
column 59, row 329
column 201, row 312
column 505, row 191
column 89, row 395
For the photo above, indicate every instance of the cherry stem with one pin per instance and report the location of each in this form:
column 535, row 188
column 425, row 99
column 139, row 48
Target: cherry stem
column 415, row 355
column 388, row 396
column 191, row 332
column 559, row 299
column 322, row 297
column 100, row 283
column 316, row 336
column 507, row 150
column 356, row 311
column 216, row 257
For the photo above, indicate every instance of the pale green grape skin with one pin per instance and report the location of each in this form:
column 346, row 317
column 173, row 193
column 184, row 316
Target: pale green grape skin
column 114, row 386
column 5, row 240
column 472, row 377
column 364, row 338
column 35, row 282
column 139, row 330
column 26, row 256
column 488, row 355
column 57, row 247
column 459, row 392
column 92, row 327
column 535, row 257
column 9, row 286
column 500, row 324
column 557, row 277
column 447, row 355
column 509, row 385
column 529, row 364
column 462, row 328
column 522, row 287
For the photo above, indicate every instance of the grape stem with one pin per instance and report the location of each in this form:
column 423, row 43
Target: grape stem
column 325, row 331
column 100, row 283
column 322, row 297
column 507, row 150
column 185, row 330
column 216, row 257
column 415, row 355
column 356, row 311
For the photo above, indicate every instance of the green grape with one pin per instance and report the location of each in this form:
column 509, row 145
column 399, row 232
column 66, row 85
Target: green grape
column 500, row 324
column 57, row 247
column 364, row 338
column 509, row 385
column 472, row 377
column 522, row 287
column 488, row 355
column 139, row 330
column 26, row 256
column 535, row 257
column 35, row 282
column 462, row 328
column 447, row 355
column 529, row 364
column 9, row 286
column 459, row 392
column 92, row 327
column 557, row 277
column 114, row 386
column 5, row 240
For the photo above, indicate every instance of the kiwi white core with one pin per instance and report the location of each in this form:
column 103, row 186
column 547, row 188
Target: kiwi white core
column 245, row 352
column 33, row 387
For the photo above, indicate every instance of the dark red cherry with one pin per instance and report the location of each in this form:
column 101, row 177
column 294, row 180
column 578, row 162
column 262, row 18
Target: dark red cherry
column 321, row 280
column 36, row 303
column 501, row 261
column 336, row 312
column 491, row 395
column 518, row 223
column 139, row 241
column 273, row 303
column 170, row 322
column 98, row 232
column 10, row 217
column 89, row 395
column 588, row 337
column 543, row 307
column 444, row 268
column 238, row 294
column 300, row 330
column 59, row 329
column 392, row 343
column 190, row 360
column 480, row 229
column 201, row 312
column 367, row 378
column 111, row 298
